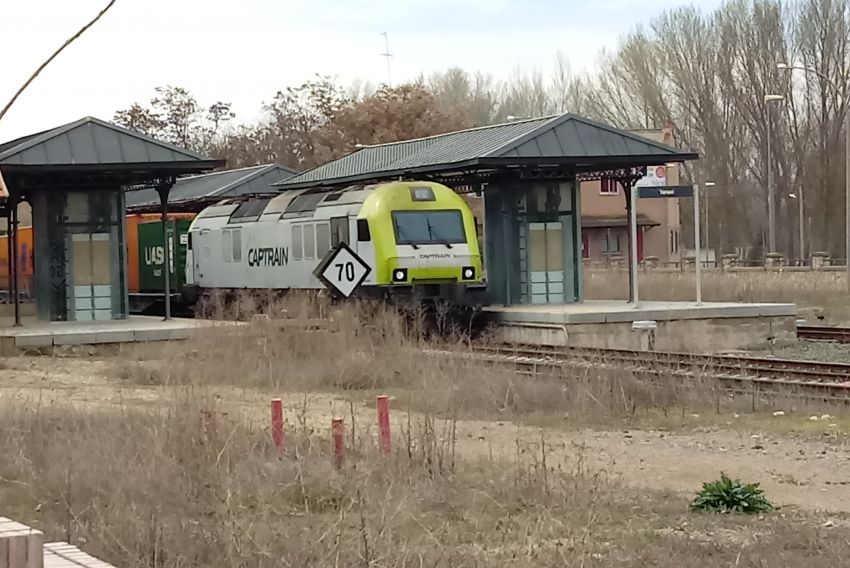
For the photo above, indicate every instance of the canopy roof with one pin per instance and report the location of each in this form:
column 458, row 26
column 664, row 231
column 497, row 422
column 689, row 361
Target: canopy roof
column 195, row 192
column 90, row 146
column 565, row 140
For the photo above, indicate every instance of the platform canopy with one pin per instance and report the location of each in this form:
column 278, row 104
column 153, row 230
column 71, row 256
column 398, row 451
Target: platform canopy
column 193, row 193
column 567, row 141
column 74, row 176
column 95, row 153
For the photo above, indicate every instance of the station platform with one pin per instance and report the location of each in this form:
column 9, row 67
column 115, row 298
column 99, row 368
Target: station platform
column 679, row 326
column 40, row 334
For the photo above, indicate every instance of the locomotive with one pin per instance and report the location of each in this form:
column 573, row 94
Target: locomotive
column 418, row 237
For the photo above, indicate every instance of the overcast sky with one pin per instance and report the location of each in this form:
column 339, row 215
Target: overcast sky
column 243, row 51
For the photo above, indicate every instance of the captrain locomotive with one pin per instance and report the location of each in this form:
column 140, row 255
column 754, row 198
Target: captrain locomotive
column 418, row 237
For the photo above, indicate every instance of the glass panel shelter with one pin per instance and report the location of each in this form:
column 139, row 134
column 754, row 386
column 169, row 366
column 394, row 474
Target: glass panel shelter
column 532, row 242
column 78, row 244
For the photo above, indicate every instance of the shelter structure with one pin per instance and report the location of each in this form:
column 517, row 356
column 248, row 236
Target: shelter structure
column 528, row 173
column 191, row 194
column 74, row 177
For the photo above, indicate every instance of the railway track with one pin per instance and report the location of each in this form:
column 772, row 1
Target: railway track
column 829, row 380
column 823, row 333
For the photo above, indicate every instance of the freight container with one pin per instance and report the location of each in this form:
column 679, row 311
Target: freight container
column 24, row 258
column 151, row 255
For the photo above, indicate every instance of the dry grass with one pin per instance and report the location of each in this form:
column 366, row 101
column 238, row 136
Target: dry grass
column 188, row 480
column 185, row 485
column 370, row 351
column 826, row 290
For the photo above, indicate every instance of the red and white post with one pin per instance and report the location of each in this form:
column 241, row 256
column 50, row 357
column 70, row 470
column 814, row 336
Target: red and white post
column 383, row 406
column 338, row 435
column 277, row 424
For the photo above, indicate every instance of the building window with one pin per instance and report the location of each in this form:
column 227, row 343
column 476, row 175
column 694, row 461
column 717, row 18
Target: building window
column 611, row 242
column 585, row 245
column 672, row 242
column 608, row 186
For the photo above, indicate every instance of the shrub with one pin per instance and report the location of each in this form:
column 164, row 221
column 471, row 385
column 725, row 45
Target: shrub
column 730, row 496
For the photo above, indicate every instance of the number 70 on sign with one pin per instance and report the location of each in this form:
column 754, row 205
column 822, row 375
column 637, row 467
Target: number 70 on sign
column 342, row 270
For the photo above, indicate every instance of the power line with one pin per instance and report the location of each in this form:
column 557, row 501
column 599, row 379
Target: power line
column 388, row 55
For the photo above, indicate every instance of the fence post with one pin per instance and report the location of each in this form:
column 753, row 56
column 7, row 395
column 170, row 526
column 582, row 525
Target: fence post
column 338, row 435
column 383, row 406
column 277, row 424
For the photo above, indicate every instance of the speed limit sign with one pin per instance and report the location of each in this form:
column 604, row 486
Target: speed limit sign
column 342, row 270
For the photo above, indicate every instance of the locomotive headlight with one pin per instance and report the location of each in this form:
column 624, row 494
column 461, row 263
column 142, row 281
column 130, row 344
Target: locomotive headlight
column 468, row 273
column 400, row 275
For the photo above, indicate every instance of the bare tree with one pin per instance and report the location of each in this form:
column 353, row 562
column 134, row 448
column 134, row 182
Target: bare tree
column 41, row 67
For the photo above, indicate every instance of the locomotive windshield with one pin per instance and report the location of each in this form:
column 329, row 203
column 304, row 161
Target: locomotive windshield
column 428, row 227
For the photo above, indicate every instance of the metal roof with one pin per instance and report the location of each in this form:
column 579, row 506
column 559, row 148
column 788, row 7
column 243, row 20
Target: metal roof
column 565, row 140
column 95, row 145
column 226, row 183
column 605, row 221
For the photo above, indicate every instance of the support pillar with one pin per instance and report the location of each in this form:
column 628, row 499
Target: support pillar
column 13, row 257
column 162, row 189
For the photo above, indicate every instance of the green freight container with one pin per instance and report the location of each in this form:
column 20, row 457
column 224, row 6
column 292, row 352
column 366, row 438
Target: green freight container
column 152, row 255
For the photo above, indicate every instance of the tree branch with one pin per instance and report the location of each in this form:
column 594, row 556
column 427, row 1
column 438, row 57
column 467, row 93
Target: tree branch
column 68, row 42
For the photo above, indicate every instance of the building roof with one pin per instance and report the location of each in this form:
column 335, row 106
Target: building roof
column 203, row 188
column 604, row 222
column 91, row 144
column 565, row 140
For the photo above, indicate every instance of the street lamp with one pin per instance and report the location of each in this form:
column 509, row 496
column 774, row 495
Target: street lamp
column 706, row 185
column 771, row 206
column 834, row 86
column 802, row 242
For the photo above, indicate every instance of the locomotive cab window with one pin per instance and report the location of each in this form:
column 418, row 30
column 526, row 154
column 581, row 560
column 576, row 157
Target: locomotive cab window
column 339, row 231
column 428, row 227
column 363, row 234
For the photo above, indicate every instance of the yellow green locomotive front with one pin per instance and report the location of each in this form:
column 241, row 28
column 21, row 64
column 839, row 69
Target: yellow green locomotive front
column 422, row 233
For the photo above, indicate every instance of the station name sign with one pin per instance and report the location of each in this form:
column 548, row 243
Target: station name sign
column 668, row 191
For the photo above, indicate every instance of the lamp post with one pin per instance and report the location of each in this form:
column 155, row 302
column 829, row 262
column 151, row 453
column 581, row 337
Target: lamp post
column 706, row 185
column 771, row 201
column 802, row 242
column 834, row 86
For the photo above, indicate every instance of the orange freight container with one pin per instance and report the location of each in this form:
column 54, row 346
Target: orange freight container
column 24, row 257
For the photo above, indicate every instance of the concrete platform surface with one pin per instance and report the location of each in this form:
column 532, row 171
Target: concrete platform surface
column 64, row 555
column 679, row 326
column 614, row 311
column 34, row 333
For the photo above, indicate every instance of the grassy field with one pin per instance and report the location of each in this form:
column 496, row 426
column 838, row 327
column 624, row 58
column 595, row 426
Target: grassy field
column 160, row 456
column 818, row 290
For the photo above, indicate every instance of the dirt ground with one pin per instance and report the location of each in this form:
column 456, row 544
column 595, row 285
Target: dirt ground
column 806, row 470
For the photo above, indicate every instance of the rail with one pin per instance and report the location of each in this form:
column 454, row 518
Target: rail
column 828, row 380
column 823, row 333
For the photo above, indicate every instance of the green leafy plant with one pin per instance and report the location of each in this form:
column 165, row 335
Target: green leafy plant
column 730, row 496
